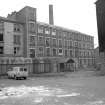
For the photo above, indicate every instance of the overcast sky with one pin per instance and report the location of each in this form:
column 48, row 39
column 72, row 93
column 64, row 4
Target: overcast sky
column 77, row 15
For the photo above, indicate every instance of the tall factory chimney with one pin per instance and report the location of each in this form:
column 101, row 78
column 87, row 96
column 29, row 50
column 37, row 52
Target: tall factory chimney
column 51, row 20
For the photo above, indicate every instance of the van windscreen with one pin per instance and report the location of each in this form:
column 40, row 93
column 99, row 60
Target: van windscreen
column 25, row 69
column 21, row 69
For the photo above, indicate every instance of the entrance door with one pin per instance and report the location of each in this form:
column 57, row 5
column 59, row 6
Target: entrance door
column 62, row 67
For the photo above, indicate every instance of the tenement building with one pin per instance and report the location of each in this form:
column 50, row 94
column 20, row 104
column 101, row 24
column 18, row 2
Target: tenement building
column 21, row 35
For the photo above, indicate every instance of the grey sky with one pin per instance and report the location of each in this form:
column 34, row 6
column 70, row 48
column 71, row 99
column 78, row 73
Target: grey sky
column 78, row 15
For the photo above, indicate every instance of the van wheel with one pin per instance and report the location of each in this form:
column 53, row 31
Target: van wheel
column 9, row 77
column 25, row 77
column 15, row 77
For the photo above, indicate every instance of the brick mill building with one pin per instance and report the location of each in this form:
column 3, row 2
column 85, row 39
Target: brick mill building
column 22, row 36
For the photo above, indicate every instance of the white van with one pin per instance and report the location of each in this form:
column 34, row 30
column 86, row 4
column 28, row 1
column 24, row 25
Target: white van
column 18, row 72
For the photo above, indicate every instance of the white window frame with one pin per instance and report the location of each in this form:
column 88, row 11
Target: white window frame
column 60, row 53
column 54, row 32
column 52, row 41
column 42, row 51
column 47, row 31
column 30, row 49
column 45, row 40
column 40, row 29
column 56, row 51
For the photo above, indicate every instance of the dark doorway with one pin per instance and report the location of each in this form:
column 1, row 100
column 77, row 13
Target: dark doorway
column 62, row 67
column 70, row 65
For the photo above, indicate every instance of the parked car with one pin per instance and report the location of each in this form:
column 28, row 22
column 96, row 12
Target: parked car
column 18, row 72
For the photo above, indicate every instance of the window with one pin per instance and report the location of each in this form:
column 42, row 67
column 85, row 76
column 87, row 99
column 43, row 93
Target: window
column 66, row 53
column 59, row 34
column 47, row 51
column 32, row 40
column 71, row 43
column 92, row 46
column 1, row 36
column 65, row 43
column 16, row 50
column 41, row 52
column 53, row 32
column 47, row 42
column 54, row 42
column 76, row 44
column 65, row 34
column 60, row 52
column 71, row 35
column 68, row 43
column 60, row 42
column 40, row 29
column 79, row 37
column 40, row 40
column 47, row 31
column 71, row 53
column 75, row 36
column 79, row 45
column 17, row 27
column 84, row 45
column 76, row 53
column 92, row 39
column 82, row 53
column 79, row 53
column 32, row 53
column 31, row 27
column 1, row 50
column 17, row 39
column 54, row 52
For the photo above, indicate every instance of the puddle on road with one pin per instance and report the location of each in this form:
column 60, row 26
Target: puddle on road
column 43, row 94
column 38, row 100
column 100, row 102
column 69, row 95
column 39, row 92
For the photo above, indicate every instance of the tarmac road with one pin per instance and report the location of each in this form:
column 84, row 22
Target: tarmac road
column 70, row 90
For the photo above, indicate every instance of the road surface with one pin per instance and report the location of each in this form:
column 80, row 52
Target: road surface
column 65, row 90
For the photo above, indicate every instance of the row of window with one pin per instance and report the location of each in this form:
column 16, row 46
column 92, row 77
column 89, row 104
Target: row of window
column 54, row 42
column 88, row 62
column 17, row 39
column 54, row 52
column 70, row 35
column 60, row 52
column 47, row 30
column 61, row 33
column 47, row 52
column 16, row 50
column 17, row 28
